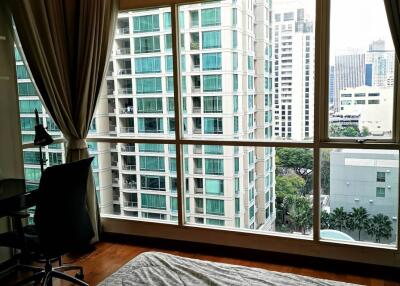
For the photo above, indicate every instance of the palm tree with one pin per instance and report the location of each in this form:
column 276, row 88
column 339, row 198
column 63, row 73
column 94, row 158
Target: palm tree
column 358, row 220
column 338, row 219
column 380, row 226
column 325, row 220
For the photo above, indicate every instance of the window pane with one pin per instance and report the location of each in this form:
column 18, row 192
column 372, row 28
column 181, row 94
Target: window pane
column 278, row 76
column 362, row 66
column 264, row 189
column 359, row 195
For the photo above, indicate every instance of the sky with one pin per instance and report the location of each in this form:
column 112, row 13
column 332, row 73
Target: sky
column 356, row 23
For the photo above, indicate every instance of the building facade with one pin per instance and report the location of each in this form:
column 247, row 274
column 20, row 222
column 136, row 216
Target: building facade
column 226, row 69
column 294, row 71
column 365, row 178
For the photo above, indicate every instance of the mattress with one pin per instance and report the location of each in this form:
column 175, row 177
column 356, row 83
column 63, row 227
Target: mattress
column 155, row 268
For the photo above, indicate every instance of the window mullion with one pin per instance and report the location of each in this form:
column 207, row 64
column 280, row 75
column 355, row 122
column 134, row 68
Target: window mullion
column 177, row 110
column 320, row 102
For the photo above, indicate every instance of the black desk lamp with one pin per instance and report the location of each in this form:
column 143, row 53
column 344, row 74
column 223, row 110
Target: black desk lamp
column 42, row 138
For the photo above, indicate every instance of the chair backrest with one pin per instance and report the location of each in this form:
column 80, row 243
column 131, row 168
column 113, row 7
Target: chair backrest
column 61, row 215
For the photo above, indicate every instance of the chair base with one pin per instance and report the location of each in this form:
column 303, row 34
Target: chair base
column 44, row 276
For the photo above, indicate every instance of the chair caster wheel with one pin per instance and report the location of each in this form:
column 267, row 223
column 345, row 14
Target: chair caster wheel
column 79, row 275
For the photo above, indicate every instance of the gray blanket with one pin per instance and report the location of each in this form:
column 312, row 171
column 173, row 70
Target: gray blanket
column 154, row 268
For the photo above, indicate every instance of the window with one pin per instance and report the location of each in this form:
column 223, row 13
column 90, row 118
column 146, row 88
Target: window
column 211, row 17
column 148, row 65
column 214, row 187
column 380, row 176
column 150, row 125
column 150, row 105
column 212, row 104
column 211, row 39
column 212, row 61
column 215, row 207
column 150, row 201
column 156, row 183
column 380, row 192
column 152, row 163
column 212, row 83
column 148, row 23
column 213, row 125
column 214, row 166
column 148, row 85
column 26, row 89
column 29, row 106
column 150, row 44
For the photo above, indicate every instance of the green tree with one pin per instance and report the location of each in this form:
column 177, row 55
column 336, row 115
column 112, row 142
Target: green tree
column 300, row 214
column 300, row 160
column 325, row 171
column 325, row 220
column 364, row 131
column 338, row 219
column 351, row 131
column 358, row 220
column 380, row 226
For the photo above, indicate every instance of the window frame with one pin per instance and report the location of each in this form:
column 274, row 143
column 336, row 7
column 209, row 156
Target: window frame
column 378, row 254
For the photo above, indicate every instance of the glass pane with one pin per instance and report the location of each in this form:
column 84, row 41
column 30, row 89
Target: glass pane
column 225, row 72
column 359, row 195
column 264, row 189
column 362, row 64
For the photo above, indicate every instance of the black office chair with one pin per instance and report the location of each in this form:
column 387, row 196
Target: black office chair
column 62, row 222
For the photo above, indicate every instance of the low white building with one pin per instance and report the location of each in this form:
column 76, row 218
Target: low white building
column 374, row 105
column 365, row 178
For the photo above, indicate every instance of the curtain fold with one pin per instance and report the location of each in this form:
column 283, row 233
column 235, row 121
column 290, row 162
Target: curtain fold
column 67, row 44
column 393, row 14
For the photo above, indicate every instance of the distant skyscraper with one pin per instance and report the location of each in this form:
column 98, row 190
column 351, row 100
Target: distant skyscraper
column 349, row 72
column 379, row 65
column 331, row 85
column 294, row 71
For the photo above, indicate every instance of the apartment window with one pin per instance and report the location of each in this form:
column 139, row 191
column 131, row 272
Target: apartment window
column 31, row 158
column 148, row 85
column 150, row 201
column 211, row 17
column 156, row 183
column 380, row 192
column 148, row 23
column 213, row 150
column 150, row 105
column 216, row 222
column 214, row 166
column 211, row 39
column 380, row 176
column 29, row 106
column 215, row 207
column 150, row 125
column 151, row 148
column 148, row 65
column 26, row 89
column 212, row 83
column 213, row 125
column 150, row 44
column 212, row 104
column 234, row 17
column 234, row 39
column 22, row 72
column 211, row 61
column 152, row 163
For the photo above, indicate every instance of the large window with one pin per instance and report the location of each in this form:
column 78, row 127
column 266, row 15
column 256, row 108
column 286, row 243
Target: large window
column 234, row 139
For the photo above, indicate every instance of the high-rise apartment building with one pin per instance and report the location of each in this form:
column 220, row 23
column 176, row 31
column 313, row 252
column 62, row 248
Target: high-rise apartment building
column 226, row 69
column 294, row 71
column 349, row 73
column 379, row 65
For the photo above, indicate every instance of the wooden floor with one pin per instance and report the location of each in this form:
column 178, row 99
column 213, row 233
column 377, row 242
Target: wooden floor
column 108, row 257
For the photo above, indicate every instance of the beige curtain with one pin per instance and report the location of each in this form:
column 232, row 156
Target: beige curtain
column 393, row 14
column 67, row 45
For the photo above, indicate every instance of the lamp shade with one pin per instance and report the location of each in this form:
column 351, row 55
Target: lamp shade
column 42, row 138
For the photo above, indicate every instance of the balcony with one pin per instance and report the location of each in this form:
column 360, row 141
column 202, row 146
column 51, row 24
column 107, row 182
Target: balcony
column 196, row 68
column 128, row 148
column 110, row 91
column 127, row 129
column 196, row 109
column 115, row 181
column 194, row 46
column 130, row 204
column 114, row 163
column 122, row 51
column 126, row 110
column 198, row 190
column 125, row 72
column 127, row 167
column 126, row 90
column 199, row 210
column 123, row 31
column 130, row 185
column 198, row 170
